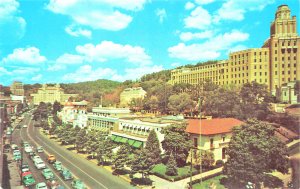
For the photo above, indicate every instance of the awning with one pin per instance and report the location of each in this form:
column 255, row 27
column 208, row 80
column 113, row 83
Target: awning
column 130, row 142
column 137, row 144
column 117, row 139
column 123, row 140
column 113, row 137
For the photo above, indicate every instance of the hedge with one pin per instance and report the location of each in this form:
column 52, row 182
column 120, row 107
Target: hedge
column 204, row 178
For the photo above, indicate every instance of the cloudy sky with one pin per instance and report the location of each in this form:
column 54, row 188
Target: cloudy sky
column 79, row 40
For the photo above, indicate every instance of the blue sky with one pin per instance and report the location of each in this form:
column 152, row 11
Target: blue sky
column 51, row 41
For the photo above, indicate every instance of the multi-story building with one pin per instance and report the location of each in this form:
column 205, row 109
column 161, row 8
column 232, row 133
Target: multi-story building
column 276, row 63
column 289, row 93
column 17, row 88
column 125, row 127
column 74, row 113
column 129, row 94
column 106, row 118
column 212, row 135
column 50, row 94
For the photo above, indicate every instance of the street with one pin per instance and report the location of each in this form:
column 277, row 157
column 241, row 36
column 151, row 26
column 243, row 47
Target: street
column 93, row 176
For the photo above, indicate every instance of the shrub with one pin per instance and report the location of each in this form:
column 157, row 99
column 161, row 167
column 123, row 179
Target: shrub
column 141, row 181
column 219, row 163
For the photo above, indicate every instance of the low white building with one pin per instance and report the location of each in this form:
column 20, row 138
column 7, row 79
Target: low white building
column 74, row 113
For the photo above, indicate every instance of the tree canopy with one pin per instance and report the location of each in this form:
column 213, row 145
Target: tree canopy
column 253, row 152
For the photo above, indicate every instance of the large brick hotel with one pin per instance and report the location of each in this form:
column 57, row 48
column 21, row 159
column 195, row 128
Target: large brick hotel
column 276, row 63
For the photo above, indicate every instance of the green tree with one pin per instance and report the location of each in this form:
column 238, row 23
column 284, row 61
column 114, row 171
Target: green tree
column 171, row 169
column 222, row 103
column 178, row 103
column 254, row 151
column 81, row 139
column 204, row 158
column 255, row 100
column 56, row 107
column 153, row 148
column 177, row 141
column 122, row 157
column 141, row 163
column 104, row 151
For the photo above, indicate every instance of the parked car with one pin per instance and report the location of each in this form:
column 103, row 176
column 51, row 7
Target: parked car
column 41, row 185
column 17, row 157
column 78, row 184
column 6, row 148
column 36, row 158
column 51, row 158
column 14, row 147
column 27, row 179
column 28, row 149
column 66, row 174
column 40, row 149
column 25, row 126
column 57, row 165
column 24, row 168
column 47, row 173
column 25, row 143
column 39, row 164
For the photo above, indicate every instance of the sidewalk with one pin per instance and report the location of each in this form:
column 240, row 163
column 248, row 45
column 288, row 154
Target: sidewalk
column 12, row 173
column 181, row 184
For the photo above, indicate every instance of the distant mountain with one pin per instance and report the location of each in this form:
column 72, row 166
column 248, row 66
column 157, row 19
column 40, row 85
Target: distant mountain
column 100, row 86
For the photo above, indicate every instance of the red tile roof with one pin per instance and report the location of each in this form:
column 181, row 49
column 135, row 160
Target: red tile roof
column 212, row 126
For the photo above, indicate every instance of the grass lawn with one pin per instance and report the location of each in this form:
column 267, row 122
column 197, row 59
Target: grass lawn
column 206, row 183
column 161, row 168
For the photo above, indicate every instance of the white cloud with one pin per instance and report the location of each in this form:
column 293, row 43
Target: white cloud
column 3, row 71
column 8, row 8
column 189, row 5
column 236, row 48
column 87, row 73
column 24, row 70
column 210, row 49
column 70, row 59
column 100, row 14
column 29, row 55
column 175, row 64
column 77, row 32
column 136, row 73
column 203, row 2
column 199, row 19
column 12, row 27
column 192, row 52
column 187, row 36
column 235, row 9
column 37, row 77
column 108, row 50
column 162, row 14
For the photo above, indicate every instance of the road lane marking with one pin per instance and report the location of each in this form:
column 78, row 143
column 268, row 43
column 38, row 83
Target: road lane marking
column 73, row 164
column 27, row 133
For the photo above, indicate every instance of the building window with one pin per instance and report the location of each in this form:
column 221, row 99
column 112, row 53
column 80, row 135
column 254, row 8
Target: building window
column 275, row 44
column 282, row 65
column 195, row 142
column 282, row 72
column 275, row 58
column 254, row 66
column 275, row 65
column 275, row 51
column 223, row 153
column 275, row 72
column 211, row 143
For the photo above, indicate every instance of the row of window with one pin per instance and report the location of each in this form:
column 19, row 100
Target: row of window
column 288, row 72
column 288, row 43
column 286, row 65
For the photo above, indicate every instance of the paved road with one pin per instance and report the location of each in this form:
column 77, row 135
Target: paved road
column 21, row 134
column 93, row 176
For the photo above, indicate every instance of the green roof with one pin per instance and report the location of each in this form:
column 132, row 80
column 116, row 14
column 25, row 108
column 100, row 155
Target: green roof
column 123, row 140
column 130, row 142
column 117, row 139
column 137, row 144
